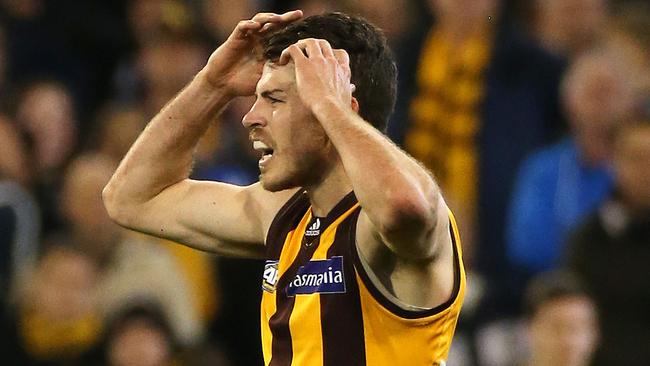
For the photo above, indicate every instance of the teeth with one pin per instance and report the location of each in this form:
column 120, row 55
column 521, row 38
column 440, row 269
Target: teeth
column 260, row 146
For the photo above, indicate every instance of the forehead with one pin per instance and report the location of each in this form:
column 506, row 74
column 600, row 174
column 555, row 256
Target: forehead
column 277, row 77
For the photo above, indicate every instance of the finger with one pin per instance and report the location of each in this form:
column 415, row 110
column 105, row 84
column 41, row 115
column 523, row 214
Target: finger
column 326, row 48
column 291, row 16
column 266, row 17
column 293, row 52
column 285, row 56
column 343, row 59
column 310, row 46
column 277, row 18
column 245, row 27
column 272, row 21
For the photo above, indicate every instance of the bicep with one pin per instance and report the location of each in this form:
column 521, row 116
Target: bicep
column 212, row 216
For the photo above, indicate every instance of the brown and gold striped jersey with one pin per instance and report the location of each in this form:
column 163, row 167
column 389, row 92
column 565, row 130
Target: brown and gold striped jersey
column 320, row 308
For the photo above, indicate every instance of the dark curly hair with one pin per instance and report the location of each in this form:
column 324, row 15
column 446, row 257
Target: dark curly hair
column 374, row 72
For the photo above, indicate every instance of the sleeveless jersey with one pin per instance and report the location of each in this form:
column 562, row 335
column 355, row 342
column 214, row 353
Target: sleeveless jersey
column 320, row 308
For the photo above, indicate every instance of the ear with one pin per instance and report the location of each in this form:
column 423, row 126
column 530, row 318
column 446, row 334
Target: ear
column 354, row 103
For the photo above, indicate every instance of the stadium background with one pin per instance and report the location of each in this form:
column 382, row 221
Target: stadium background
column 490, row 93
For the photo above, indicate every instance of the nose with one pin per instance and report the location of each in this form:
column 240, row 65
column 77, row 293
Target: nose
column 254, row 117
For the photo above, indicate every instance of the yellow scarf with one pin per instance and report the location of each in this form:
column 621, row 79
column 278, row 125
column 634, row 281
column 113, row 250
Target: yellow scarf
column 445, row 114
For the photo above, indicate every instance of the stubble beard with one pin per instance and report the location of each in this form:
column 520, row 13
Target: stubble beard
column 288, row 178
column 278, row 183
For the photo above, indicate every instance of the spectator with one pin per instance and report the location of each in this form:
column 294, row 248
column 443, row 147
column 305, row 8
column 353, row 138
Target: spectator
column 562, row 321
column 568, row 27
column 55, row 319
column 19, row 236
column 81, row 207
column 611, row 250
column 19, row 214
column 560, row 185
column 118, row 127
column 159, row 69
column 140, row 335
column 45, row 115
column 132, row 265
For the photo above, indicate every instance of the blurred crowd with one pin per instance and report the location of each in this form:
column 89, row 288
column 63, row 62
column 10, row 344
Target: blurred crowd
column 533, row 115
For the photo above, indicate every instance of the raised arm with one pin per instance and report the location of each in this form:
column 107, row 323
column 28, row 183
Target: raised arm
column 400, row 199
column 150, row 191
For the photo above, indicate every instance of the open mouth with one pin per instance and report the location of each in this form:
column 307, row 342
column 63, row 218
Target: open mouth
column 267, row 152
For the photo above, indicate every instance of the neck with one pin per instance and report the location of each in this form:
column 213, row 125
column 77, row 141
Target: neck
column 329, row 191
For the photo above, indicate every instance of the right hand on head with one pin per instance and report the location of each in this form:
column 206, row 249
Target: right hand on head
column 236, row 66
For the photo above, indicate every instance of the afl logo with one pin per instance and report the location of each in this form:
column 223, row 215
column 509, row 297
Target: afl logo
column 270, row 276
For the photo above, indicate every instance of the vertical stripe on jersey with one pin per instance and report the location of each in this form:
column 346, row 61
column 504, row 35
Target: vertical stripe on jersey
column 281, row 350
column 305, row 321
column 341, row 316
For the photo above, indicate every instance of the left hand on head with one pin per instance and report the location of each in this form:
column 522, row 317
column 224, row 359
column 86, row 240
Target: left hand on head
column 322, row 73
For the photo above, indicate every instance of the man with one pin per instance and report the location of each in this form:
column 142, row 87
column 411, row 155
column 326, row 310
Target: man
column 561, row 321
column 611, row 250
column 562, row 184
column 363, row 260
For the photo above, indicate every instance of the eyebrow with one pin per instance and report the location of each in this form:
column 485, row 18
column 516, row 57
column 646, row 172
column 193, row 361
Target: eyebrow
column 268, row 93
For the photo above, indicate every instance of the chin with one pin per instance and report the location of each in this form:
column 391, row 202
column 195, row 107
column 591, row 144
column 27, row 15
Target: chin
column 275, row 185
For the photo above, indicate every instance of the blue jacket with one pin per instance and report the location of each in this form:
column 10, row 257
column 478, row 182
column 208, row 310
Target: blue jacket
column 555, row 191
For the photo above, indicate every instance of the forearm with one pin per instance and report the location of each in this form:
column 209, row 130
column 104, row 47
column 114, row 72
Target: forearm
column 162, row 154
column 392, row 187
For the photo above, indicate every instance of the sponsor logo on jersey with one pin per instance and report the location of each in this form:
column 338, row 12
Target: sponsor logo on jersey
column 270, row 276
column 314, row 228
column 319, row 276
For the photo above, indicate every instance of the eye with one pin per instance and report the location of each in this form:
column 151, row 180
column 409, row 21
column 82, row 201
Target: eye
column 274, row 100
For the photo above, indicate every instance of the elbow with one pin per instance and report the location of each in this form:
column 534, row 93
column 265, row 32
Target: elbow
column 116, row 210
column 410, row 212
column 409, row 222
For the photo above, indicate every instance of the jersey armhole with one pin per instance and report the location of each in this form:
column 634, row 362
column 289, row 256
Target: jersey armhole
column 389, row 304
